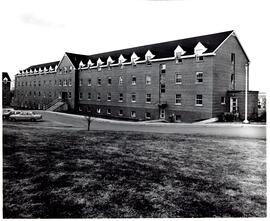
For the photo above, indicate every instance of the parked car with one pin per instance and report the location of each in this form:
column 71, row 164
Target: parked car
column 25, row 115
column 6, row 112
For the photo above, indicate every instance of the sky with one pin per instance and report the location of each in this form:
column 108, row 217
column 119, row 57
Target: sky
column 40, row 31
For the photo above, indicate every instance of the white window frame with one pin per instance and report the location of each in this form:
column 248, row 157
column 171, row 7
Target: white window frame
column 196, row 100
column 109, row 79
column 99, row 82
column 109, row 111
column 98, row 110
column 89, row 82
column 121, row 114
column 148, row 97
column 177, row 74
column 132, row 96
column 121, row 98
column 98, row 97
column 133, row 114
column 80, row 82
column 109, row 97
column 148, row 80
column 120, row 81
column 132, row 80
column 80, row 95
column 222, row 100
column 198, row 78
column 177, row 99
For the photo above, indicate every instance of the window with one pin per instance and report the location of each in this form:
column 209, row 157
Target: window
column 39, row 94
column 69, row 82
column 120, row 80
column 232, row 58
column 22, row 83
column 148, row 60
column 50, row 82
column 120, row 112
column 80, row 95
column 98, row 96
column 199, row 100
column 199, row 77
column 223, row 100
column 44, row 82
column 133, row 82
column 50, row 94
column 81, row 82
column 232, row 79
column 148, row 80
column 34, row 93
column 162, row 88
column 178, row 78
column 98, row 110
column 65, row 83
column 178, row 58
column 109, row 80
column 163, row 68
column 99, row 81
column 148, row 98
column 89, row 96
column 69, row 95
column 199, row 58
column 120, row 97
column 60, row 83
column 133, row 114
column 178, row 99
column 89, row 82
column 109, row 111
column 109, row 97
column 148, row 115
column 133, row 97
column 34, row 83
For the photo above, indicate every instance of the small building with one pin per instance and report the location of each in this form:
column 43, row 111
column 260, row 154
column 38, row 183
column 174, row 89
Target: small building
column 6, row 93
column 191, row 79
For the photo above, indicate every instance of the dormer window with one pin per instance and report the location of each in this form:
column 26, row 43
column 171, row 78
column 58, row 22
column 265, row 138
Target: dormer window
column 55, row 67
column 134, row 58
column 121, row 61
column 198, row 51
column 70, row 68
column 81, row 65
column 50, row 69
column 109, row 62
column 148, row 57
column 40, row 70
column 35, row 70
column 178, row 52
column 90, row 63
column 99, row 63
column 45, row 69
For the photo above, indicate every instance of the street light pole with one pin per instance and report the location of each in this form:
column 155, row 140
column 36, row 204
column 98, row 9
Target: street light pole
column 246, row 95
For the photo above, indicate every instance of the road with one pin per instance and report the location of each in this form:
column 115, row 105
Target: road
column 60, row 120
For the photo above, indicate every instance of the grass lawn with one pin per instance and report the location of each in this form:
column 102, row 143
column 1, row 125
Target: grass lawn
column 73, row 174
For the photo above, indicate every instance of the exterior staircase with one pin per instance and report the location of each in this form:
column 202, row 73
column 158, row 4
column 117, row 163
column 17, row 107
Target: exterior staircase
column 55, row 105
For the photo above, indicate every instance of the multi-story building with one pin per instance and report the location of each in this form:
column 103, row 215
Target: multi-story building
column 6, row 93
column 191, row 79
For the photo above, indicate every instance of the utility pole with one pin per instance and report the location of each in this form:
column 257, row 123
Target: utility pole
column 246, row 95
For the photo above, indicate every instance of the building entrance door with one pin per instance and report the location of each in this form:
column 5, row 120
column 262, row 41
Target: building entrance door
column 162, row 113
column 64, row 96
column 233, row 104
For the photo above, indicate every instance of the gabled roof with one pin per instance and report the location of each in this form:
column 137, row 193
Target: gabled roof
column 5, row 75
column 160, row 50
column 47, row 65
